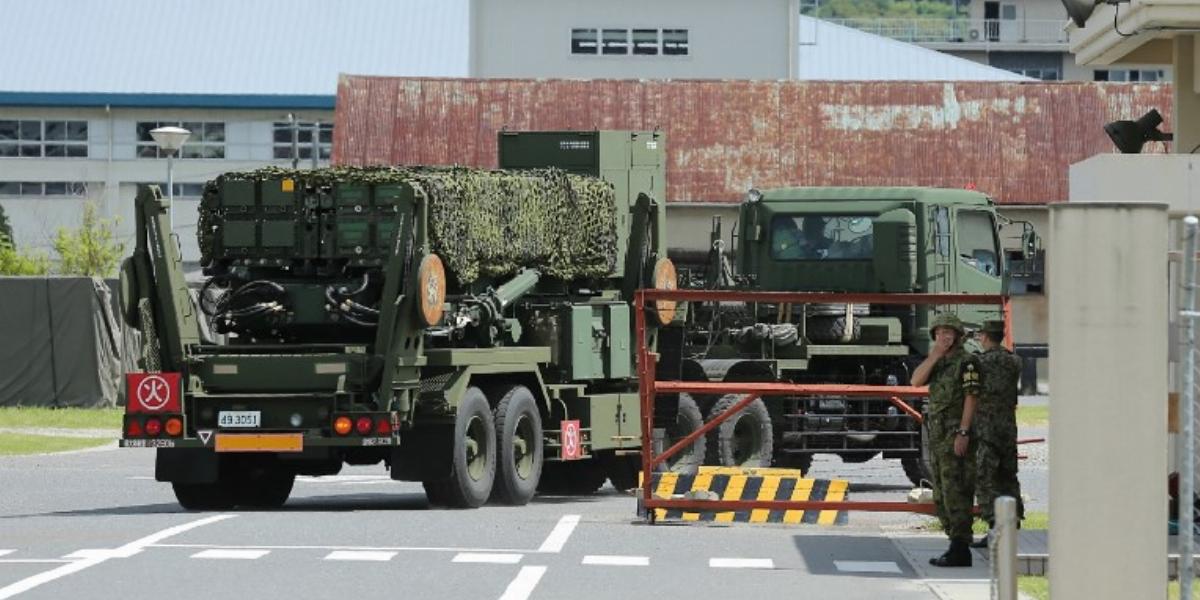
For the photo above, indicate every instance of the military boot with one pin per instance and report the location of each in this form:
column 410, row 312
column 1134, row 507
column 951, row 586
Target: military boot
column 959, row 555
column 983, row 542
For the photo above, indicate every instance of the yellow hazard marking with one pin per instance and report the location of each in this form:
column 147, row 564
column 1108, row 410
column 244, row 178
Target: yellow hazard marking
column 803, row 489
column 732, row 492
column 666, row 485
column 753, row 471
column 770, row 486
column 703, row 480
column 837, row 491
column 260, row 442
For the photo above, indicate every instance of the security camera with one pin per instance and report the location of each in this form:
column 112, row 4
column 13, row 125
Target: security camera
column 1080, row 10
column 1130, row 136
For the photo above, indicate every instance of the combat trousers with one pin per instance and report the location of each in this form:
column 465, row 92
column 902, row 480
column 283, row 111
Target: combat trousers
column 996, row 475
column 953, row 478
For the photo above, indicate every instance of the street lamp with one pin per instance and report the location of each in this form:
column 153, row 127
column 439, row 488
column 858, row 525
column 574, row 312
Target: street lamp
column 170, row 140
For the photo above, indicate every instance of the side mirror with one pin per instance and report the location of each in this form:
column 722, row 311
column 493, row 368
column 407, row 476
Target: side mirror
column 1029, row 243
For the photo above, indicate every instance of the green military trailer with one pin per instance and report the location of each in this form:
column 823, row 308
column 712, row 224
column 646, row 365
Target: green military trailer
column 851, row 240
column 469, row 329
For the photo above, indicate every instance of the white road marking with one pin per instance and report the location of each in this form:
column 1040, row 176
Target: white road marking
column 345, row 479
column 867, row 566
column 368, row 555
column 558, row 536
column 33, row 561
column 741, row 563
column 129, row 549
column 232, row 554
column 497, row 559
column 521, row 587
column 617, row 561
column 354, row 548
column 3, row 552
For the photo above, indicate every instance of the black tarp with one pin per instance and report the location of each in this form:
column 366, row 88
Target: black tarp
column 60, row 343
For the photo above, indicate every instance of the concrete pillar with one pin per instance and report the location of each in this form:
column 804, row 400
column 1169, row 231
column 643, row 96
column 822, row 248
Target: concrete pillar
column 1185, row 120
column 1108, row 417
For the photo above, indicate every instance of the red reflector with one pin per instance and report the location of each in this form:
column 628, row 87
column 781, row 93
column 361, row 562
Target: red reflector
column 153, row 427
column 133, row 429
column 174, row 426
column 383, row 426
column 363, row 425
column 341, row 425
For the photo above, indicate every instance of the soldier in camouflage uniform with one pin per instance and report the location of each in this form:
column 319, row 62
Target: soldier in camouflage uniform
column 996, row 425
column 954, row 380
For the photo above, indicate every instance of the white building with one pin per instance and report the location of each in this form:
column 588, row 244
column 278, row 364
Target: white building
column 75, row 117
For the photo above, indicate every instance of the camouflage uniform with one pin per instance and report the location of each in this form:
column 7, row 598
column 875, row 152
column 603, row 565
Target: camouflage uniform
column 955, row 376
column 995, row 430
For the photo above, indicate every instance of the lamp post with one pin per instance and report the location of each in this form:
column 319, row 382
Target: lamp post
column 170, row 140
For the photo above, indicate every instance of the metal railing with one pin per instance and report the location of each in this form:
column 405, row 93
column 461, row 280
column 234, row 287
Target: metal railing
column 964, row 31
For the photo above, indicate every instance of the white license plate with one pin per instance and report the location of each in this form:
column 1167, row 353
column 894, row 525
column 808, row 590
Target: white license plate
column 239, row 418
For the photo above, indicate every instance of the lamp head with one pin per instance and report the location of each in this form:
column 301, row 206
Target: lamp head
column 170, row 139
column 1130, row 136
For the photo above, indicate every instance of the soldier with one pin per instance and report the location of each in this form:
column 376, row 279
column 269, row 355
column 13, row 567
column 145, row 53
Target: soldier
column 996, row 426
column 953, row 375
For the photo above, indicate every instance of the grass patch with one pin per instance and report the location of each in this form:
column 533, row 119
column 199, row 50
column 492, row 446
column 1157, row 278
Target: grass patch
column 1033, row 415
column 1035, row 520
column 68, row 418
column 19, row 443
column 1037, row 588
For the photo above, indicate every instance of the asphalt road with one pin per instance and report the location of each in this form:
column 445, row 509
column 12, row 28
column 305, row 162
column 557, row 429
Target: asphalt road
column 96, row 525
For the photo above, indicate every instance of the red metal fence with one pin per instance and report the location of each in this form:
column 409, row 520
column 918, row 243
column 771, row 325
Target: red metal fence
column 650, row 387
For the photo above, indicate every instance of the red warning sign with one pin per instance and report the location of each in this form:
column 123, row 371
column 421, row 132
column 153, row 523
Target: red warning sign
column 152, row 392
column 572, row 441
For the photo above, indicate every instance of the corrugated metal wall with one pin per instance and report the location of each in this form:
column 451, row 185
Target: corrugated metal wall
column 1011, row 140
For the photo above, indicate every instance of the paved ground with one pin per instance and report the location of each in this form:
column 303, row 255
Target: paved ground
column 96, row 525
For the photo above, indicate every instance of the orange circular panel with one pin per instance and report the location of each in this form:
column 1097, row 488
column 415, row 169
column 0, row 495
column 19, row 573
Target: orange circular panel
column 665, row 279
column 431, row 289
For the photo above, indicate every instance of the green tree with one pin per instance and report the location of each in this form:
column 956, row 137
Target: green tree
column 5, row 228
column 91, row 249
column 15, row 262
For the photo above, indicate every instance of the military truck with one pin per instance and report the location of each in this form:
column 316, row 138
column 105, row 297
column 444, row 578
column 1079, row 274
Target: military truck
column 468, row 329
column 865, row 240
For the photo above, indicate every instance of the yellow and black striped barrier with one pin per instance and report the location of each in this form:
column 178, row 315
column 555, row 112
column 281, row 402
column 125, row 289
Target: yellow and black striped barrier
column 732, row 483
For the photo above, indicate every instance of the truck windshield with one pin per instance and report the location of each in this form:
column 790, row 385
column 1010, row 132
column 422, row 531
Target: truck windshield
column 821, row 237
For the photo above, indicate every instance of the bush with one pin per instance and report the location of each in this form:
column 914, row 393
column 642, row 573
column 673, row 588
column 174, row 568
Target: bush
column 15, row 262
column 90, row 250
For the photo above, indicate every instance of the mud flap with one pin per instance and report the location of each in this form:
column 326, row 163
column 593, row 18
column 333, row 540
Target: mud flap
column 186, row 465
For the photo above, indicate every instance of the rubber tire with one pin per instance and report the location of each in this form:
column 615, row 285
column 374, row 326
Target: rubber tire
column 917, row 471
column 829, row 330
column 510, row 487
column 204, row 496
column 721, row 450
column 459, row 489
column 688, row 418
column 624, row 472
column 572, row 478
column 269, row 488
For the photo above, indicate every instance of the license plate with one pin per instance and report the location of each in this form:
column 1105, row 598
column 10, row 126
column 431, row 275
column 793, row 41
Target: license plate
column 233, row 419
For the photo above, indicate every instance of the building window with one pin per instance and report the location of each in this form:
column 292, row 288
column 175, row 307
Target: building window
column 207, row 139
column 59, row 189
column 1042, row 74
column 675, row 42
column 182, row 190
column 616, row 41
column 283, row 141
column 645, row 42
column 50, row 139
column 624, row 42
column 583, row 41
column 1129, row 75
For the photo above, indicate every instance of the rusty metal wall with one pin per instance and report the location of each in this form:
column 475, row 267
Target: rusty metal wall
column 1011, row 140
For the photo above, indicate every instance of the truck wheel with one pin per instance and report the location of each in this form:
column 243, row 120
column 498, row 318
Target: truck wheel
column 204, row 496
column 687, row 419
column 829, row 330
column 744, row 439
column 918, row 471
column 267, row 488
column 473, row 458
column 519, row 431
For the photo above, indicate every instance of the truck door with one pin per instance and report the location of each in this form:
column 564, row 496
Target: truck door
column 940, row 265
column 978, row 265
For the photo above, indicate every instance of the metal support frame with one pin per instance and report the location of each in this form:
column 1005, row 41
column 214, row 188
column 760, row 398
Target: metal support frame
column 650, row 388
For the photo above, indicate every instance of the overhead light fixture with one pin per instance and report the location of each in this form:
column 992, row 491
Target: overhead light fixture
column 1130, row 136
column 1080, row 10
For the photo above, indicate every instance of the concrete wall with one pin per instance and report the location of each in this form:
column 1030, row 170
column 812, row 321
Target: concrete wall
column 532, row 38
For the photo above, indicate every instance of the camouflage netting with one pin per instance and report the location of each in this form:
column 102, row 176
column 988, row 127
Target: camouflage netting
column 491, row 223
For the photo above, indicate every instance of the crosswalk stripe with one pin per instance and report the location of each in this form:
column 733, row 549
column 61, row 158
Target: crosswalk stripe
column 232, row 554
column 478, row 557
column 741, row 563
column 365, row 555
column 617, row 561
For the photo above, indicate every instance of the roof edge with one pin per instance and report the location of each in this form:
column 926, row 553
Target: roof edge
column 94, row 99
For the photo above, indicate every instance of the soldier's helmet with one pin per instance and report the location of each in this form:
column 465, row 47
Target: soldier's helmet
column 950, row 320
column 994, row 326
